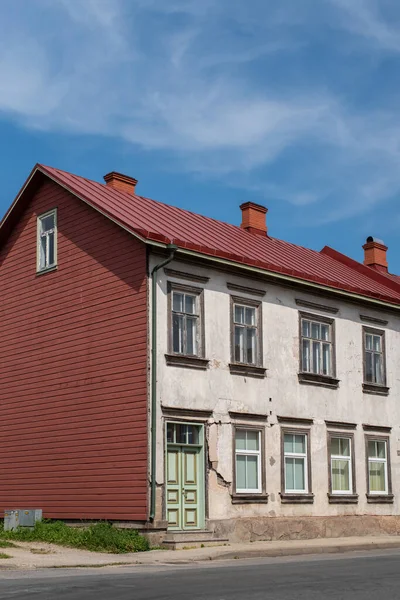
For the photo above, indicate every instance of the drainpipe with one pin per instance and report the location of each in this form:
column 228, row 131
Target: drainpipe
column 172, row 248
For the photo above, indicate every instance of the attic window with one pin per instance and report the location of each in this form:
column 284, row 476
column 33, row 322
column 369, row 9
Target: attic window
column 47, row 241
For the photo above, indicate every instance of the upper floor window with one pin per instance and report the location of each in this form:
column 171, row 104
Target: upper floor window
column 246, row 332
column 186, row 320
column 374, row 356
column 47, row 240
column 316, row 346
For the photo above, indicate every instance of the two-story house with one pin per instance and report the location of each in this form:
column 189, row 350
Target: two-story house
column 189, row 377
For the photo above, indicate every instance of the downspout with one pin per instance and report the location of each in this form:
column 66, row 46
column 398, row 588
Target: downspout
column 172, row 248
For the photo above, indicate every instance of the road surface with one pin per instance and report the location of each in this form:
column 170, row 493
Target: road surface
column 353, row 576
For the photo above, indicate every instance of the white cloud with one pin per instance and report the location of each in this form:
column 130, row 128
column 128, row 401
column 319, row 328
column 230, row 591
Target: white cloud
column 223, row 86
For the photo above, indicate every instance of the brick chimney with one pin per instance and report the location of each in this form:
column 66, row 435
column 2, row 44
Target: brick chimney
column 253, row 218
column 120, row 182
column 375, row 254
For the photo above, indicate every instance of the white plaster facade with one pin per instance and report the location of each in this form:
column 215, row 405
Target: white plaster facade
column 278, row 394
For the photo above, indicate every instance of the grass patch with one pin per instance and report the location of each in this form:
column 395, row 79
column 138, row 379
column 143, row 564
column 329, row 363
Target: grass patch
column 100, row 537
column 5, row 544
column 3, row 555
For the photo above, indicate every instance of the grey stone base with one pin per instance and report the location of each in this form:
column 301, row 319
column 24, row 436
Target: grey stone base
column 303, row 528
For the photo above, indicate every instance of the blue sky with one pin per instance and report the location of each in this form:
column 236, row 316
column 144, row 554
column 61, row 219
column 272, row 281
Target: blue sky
column 293, row 104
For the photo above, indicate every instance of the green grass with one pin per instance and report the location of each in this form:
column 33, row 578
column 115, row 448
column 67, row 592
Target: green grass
column 3, row 555
column 100, row 537
column 5, row 544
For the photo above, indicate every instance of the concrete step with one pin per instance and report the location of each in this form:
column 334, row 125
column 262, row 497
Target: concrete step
column 179, row 540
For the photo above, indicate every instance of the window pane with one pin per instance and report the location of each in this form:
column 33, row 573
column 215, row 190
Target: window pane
column 177, row 333
column 252, row 440
column 191, row 329
column 177, row 302
column 239, row 314
column 43, row 244
column 240, row 472
column 316, row 357
column 368, row 341
column 377, row 477
column 325, row 332
column 51, row 248
column 250, row 316
column 306, row 328
column 335, row 446
column 368, row 367
column 377, row 343
column 299, row 474
column 47, row 223
column 251, row 346
column 326, row 359
column 289, row 474
column 170, row 432
column 372, row 449
column 345, row 447
column 340, row 475
column 306, row 356
column 252, row 472
column 288, row 442
column 240, row 439
column 300, row 444
column 381, row 449
column 190, row 304
column 315, row 331
column 239, row 344
column 377, row 366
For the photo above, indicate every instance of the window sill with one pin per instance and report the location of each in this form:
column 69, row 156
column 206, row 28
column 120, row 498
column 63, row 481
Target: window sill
column 320, row 380
column 249, row 498
column 287, row 498
column 48, row 270
column 247, row 370
column 378, row 390
column 187, row 362
column 380, row 498
column 343, row 498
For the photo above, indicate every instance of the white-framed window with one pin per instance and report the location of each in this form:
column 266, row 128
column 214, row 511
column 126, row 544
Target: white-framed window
column 295, row 462
column 341, row 465
column 377, row 466
column 316, row 346
column 47, row 240
column 185, row 308
column 374, row 357
column 245, row 333
column 248, row 460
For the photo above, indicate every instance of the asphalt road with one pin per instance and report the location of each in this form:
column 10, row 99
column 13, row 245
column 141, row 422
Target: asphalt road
column 355, row 577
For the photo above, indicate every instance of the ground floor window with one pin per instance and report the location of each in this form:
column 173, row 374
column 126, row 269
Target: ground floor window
column 341, row 471
column 377, row 451
column 295, row 462
column 248, row 460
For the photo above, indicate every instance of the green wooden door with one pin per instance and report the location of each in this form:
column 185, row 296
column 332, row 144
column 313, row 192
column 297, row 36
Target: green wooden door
column 184, row 488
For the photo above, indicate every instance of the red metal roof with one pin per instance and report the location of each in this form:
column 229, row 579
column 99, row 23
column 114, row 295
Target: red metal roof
column 154, row 221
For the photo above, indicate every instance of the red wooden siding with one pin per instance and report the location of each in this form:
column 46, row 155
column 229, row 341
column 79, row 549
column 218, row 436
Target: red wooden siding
column 73, row 367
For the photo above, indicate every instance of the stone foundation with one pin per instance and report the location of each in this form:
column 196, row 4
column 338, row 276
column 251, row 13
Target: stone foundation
column 303, row 528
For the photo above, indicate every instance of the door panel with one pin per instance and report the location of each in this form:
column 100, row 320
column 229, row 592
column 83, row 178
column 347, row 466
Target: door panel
column 174, row 494
column 184, row 491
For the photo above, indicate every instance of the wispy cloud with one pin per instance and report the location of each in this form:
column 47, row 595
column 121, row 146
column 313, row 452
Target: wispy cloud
column 264, row 89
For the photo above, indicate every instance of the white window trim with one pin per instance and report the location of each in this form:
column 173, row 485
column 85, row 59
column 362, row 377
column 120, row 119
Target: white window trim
column 302, row 455
column 249, row 453
column 349, row 460
column 385, row 462
column 40, row 269
column 196, row 315
column 242, row 303
column 330, row 341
